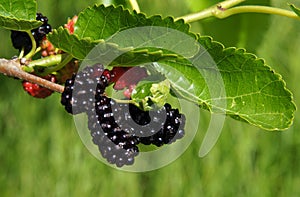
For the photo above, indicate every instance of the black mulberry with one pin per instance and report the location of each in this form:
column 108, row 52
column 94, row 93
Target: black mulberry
column 80, row 90
column 117, row 128
column 22, row 40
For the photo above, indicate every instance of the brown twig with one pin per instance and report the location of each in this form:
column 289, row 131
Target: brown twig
column 13, row 69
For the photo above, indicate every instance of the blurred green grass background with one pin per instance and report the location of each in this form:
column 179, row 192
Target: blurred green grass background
column 41, row 153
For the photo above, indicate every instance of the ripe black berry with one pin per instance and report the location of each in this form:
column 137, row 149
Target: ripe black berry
column 22, row 40
column 158, row 127
column 171, row 130
column 114, row 144
column 117, row 128
column 80, row 90
column 66, row 97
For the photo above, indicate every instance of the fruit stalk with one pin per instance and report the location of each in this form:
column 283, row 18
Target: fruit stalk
column 13, row 69
column 33, row 48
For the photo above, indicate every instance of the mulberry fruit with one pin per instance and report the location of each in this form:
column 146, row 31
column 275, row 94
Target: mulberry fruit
column 118, row 128
column 172, row 129
column 38, row 91
column 79, row 93
column 22, row 40
column 114, row 144
column 158, row 127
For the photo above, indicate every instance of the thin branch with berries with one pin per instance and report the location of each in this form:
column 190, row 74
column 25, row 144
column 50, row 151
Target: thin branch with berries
column 47, row 61
column 13, row 69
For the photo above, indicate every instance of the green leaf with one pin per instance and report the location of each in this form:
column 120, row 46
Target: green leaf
column 18, row 15
column 240, row 84
column 70, row 43
column 100, row 22
column 97, row 23
column 253, row 92
column 295, row 9
column 141, row 94
column 80, row 48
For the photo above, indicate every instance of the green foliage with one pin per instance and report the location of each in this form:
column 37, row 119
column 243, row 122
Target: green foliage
column 18, row 15
column 252, row 89
column 79, row 48
column 106, row 22
column 42, row 155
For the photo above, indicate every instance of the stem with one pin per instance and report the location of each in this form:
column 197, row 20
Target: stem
column 124, row 101
column 21, row 53
column 33, row 48
column 256, row 9
column 229, row 3
column 210, row 11
column 224, row 10
column 59, row 66
column 13, row 69
column 135, row 6
column 38, row 49
column 46, row 61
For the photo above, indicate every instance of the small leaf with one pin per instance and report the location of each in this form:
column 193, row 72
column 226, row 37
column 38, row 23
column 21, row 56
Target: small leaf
column 18, row 15
column 160, row 92
column 149, row 92
column 295, row 9
column 141, row 94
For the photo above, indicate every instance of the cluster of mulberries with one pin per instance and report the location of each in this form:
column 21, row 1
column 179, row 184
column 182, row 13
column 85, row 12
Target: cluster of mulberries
column 21, row 40
column 117, row 128
column 156, row 127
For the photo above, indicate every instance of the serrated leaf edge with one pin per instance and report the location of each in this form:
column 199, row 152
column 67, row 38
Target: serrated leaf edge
column 35, row 23
column 243, row 116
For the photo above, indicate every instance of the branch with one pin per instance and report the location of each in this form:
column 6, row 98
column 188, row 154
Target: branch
column 226, row 9
column 13, row 69
column 256, row 9
column 210, row 11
